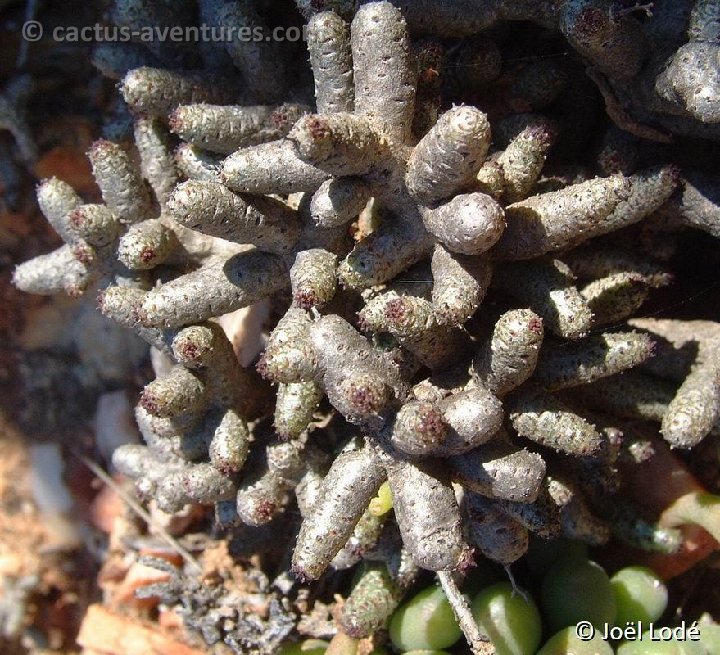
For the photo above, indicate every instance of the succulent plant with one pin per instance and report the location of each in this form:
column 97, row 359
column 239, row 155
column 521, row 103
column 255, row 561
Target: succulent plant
column 376, row 234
